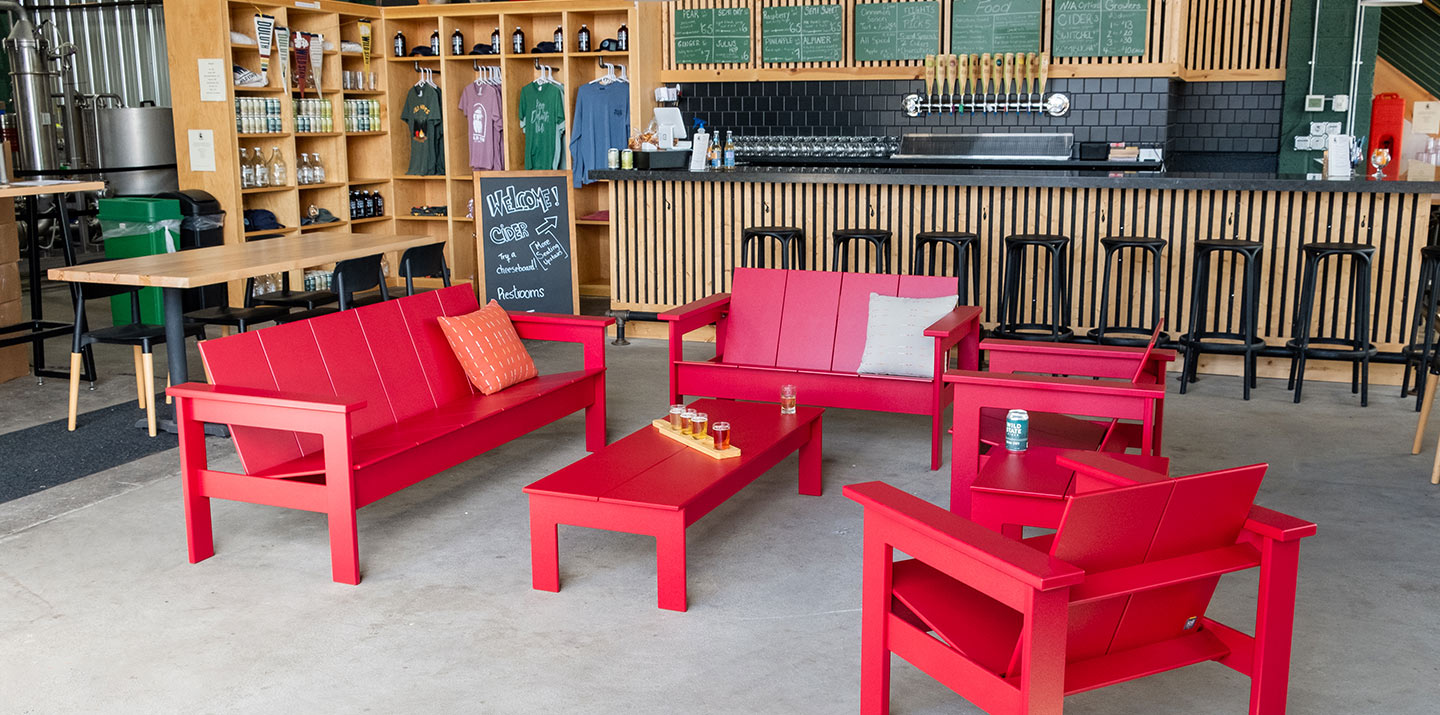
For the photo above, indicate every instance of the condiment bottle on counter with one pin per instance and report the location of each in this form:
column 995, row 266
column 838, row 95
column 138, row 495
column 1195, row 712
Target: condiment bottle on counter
column 714, row 157
column 729, row 158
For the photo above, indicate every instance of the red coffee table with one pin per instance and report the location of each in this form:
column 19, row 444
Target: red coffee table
column 648, row 484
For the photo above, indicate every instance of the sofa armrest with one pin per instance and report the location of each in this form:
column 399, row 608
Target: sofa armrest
column 1271, row 524
column 263, row 398
column 919, row 522
column 697, row 313
column 587, row 330
column 1069, row 385
column 955, row 325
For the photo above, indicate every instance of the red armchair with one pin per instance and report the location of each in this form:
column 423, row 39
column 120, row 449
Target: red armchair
column 1117, row 593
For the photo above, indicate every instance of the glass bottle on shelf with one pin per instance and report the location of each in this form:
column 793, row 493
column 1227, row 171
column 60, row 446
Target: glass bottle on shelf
column 399, row 44
column 495, row 42
column 582, row 39
column 517, row 41
column 247, row 172
column 622, row 38
column 260, row 175
column 277, row 168
column 435, row 43
column 369, row 205
column 379, row 204
column 302, row 170
column 559, row 39
column 457, row 42
column 317, row 169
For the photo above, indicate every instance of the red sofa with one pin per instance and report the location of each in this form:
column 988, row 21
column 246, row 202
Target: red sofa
column 807, row 328
column 336, row 412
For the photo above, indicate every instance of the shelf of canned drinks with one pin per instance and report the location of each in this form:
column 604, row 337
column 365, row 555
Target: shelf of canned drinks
column 362, row 115
column 258, row 115
column 313, row 116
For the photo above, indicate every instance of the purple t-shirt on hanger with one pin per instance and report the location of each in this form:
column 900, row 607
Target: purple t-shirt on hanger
column 481, row 106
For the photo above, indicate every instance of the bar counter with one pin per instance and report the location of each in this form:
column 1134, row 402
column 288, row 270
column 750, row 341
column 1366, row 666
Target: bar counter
column 675, row 235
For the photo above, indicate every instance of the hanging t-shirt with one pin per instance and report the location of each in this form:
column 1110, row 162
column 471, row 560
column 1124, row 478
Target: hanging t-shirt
column 480, row 104
column 542, row 118
column 427, row 134
column 602, row 121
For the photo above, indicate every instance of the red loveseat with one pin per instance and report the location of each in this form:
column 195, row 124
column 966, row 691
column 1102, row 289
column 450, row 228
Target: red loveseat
column 336, row 412
column 807, row 328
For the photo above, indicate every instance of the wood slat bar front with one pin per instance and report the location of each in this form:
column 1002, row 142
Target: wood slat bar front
column 219, row 264
column 675, row 241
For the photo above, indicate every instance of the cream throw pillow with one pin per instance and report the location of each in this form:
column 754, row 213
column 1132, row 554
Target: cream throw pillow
column 895, row 340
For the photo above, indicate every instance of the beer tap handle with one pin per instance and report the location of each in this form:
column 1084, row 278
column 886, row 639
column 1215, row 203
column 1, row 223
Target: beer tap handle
column 929, row 80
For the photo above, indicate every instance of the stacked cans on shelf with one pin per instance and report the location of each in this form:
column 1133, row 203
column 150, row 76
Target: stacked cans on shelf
column 312, row 116
column 256, row 115
column 362, row 115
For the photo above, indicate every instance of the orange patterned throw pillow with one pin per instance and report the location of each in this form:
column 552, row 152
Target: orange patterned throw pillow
column 488, row 348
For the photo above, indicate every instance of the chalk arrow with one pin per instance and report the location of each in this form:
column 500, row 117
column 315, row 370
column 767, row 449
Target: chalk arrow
column 548, row 226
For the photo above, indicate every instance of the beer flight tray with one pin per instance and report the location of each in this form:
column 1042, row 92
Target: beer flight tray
column 704, row 446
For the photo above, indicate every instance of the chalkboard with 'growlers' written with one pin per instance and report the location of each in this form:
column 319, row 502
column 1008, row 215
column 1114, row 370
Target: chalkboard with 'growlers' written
column 1099, row 28
column 980, row 26
column 526, row 251
column 801, row 33
column 896, row 30
column 712, row 35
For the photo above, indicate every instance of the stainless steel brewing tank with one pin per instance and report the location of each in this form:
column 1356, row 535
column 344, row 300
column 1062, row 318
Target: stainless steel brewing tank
column 137, row 149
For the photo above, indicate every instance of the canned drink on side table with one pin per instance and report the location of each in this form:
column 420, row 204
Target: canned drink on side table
column 1017, row 430
column 612, row 158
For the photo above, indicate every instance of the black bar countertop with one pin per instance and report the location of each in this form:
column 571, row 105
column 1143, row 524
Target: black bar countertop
column 1059, row 178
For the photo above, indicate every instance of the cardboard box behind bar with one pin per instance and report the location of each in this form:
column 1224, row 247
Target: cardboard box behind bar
column 14, row 360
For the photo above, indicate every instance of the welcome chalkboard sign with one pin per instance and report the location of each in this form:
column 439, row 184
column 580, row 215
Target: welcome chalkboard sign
column 526, row 250
column 896, row 30
column 801, row 33
column 718, row 35
column 980, row 26
column 1099, row 28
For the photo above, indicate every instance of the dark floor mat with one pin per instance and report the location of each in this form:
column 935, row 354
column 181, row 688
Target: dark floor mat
column 37, row 458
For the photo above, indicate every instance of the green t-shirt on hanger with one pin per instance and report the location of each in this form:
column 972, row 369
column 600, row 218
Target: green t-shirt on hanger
column 427, row 130
column 542, row 118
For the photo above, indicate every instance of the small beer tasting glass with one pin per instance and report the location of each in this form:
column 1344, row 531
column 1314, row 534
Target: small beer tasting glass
column 698, row 424
column 787, row 399
column 687, row 421
column 720, row 431
column 676, row 414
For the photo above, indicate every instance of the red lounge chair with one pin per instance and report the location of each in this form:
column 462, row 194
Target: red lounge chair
column 1118, row 592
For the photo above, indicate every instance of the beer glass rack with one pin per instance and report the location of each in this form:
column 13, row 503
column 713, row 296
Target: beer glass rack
column 1055, row 104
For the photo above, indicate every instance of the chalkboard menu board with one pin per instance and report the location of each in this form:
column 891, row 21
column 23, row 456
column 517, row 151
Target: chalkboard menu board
column 896, row 30
column 1099, row 28
column 980, row 26
column 526, row 251
column 801, row 33
column 719, row 35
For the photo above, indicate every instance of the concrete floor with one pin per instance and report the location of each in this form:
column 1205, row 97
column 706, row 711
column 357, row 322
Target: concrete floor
column 100, row 612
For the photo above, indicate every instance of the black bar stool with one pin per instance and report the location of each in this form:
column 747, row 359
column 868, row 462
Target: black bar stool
column 878, row 238
column 1357, row 349
column 964, row 251
column 1116, row 248
column 1200, row 339
column 791, row 240
column 1057, row 327
column 1419, row 353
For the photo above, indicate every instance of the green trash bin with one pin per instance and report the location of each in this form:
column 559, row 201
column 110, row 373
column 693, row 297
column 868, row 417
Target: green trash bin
column 134, row 226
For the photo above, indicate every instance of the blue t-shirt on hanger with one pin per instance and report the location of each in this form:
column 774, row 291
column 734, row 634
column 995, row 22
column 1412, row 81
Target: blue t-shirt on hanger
column 602, row 122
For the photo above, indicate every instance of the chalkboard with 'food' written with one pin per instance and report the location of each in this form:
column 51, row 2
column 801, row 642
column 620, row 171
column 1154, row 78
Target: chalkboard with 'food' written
column 980, row 26
column 1099, row 28
column 526, row 250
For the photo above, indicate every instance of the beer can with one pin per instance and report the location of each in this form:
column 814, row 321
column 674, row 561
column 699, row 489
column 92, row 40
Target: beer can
column 1017, row 430
column 627, row 159
column 612, row 158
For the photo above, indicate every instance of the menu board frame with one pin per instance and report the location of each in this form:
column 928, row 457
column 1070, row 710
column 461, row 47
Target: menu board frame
column 1119, row 28
column 911, row 42
column 980, row 26
column 778, row 30
column 699, row 39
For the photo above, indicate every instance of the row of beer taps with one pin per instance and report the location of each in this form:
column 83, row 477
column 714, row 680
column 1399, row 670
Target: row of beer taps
column 986, row 82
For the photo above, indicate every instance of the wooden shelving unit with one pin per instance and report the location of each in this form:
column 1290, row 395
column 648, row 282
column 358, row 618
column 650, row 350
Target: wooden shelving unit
column 377, row 160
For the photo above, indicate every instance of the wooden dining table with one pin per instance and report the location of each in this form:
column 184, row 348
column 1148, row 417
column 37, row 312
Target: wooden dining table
column 193, row 268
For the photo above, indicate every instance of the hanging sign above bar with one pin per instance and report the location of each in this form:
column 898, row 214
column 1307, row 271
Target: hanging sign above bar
column 712, row 36
column 980, row 26
column 801, row 33
column 896, row 30
column 1099, row 28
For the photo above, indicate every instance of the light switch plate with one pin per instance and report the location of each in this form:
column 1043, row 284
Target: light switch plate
column 1332, row 128
column 1340, row 102
column 1302, row 143
column 1317, row 129
column 1314, row 102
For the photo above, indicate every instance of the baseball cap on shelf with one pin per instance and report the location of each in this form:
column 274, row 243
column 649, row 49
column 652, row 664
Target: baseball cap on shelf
column 422, row 51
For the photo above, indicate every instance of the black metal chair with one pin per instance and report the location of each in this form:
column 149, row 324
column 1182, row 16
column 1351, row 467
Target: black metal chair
column 1201, row 339
column 878, row 238
column 964, row 250
column 1056, row 325
column 1116, row 249
column 140, row 336
column 424, row 262
column 791, row 240
column 1419, row 352
column 350, row 277
column 239, row 318
column 308, row 299
column 1356, row 348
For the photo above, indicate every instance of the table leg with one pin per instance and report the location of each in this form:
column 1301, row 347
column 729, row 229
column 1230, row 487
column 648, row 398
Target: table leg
column 174, row 348
column 810, row 481
column 670, row 565
column 544, row 549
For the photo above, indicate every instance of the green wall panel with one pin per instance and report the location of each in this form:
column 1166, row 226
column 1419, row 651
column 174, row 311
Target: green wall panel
column 1334, row 51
